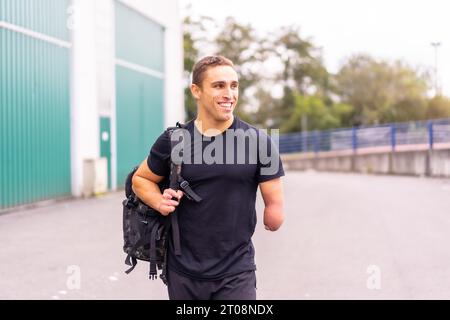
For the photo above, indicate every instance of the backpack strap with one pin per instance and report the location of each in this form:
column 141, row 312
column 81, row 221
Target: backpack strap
column 175, row 171
column 190, row 194
column 177, row 168
column 153, row 273
column 131, row 261
column 177, row 182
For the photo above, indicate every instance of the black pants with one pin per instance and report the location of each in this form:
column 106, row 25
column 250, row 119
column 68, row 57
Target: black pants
column 241, row 286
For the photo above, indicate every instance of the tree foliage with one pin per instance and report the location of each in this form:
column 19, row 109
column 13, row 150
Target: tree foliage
column 314, row 114
column 381, row 91
column 364, row 91
column 303, row 72
column 239, row 43
column 438, row 107
column 195, row 34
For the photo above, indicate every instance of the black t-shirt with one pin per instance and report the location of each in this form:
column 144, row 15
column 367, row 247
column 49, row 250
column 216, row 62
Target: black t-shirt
column 215, row 234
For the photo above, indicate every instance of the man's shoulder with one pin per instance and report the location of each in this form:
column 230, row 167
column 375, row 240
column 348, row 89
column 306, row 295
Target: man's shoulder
column 165, row 135
column 241, row 124
column 181, row 125
column 189, row 125
column 262, row 133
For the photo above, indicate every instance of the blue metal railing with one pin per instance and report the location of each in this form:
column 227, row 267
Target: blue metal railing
column 390, row 135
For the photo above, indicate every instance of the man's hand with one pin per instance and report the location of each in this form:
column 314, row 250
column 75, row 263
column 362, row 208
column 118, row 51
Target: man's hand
column 167, row 205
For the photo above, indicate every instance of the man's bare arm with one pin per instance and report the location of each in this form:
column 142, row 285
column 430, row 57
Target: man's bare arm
column 272, row 193
column 145, row 186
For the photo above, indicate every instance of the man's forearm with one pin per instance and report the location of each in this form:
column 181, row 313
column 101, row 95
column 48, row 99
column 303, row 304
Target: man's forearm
column 273, row 216
column 147, row 191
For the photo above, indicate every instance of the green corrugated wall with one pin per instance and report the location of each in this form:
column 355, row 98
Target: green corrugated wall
column 34, row 103
column 48, row 17
column 138, row 39
column 139, row 96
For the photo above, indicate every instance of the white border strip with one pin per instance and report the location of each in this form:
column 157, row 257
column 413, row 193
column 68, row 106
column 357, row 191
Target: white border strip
column 36, row 35
column 139, row 68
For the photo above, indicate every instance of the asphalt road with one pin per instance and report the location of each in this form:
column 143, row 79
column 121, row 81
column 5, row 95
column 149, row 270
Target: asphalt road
column 346, row 236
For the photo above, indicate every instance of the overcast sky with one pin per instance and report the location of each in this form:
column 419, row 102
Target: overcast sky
column 392, row 29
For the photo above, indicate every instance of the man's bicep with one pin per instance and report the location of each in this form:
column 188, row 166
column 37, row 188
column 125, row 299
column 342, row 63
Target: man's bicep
column 145, row 172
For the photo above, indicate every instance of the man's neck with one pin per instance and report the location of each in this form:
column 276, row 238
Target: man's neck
column 204, row 124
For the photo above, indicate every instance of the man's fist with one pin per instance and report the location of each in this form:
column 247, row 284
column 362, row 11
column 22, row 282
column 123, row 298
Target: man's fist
column 169, row 200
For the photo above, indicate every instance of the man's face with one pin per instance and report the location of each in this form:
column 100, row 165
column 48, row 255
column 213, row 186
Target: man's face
column 219, row 93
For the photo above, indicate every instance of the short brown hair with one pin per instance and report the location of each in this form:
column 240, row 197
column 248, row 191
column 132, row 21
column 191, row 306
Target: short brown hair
column 204, row 64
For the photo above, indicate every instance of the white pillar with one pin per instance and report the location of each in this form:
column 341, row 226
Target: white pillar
column 173, row 68
column 84, row 109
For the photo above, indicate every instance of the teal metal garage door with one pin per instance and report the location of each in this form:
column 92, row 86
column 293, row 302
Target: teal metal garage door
column 139, row 87
column 34, row 101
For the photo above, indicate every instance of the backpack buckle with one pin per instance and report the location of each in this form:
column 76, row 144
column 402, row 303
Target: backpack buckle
column 129, row 202
column 190, row 194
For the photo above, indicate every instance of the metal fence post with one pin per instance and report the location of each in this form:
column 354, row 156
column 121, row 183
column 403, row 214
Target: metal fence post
column 430, row 135
column 304, row 141
column 354, row 147
column 428, row 169
column 316, row 141
column 393, row 136
column 393, row 145
column 354, row 139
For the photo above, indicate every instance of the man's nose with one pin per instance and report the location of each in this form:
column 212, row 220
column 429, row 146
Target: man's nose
column 228, row 93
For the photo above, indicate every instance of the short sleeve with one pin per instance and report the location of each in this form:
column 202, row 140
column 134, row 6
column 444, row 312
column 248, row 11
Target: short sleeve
column 269, row 161
column 159, row 156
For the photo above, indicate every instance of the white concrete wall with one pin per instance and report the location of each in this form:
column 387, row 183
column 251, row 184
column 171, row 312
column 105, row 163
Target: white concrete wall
column 106, row 75
column 440, row 163
column 84, row 106
column 416, row 163
column 105, row 54
column 93, row 74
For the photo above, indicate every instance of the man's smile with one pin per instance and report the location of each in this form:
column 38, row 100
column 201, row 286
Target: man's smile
column 226, row 105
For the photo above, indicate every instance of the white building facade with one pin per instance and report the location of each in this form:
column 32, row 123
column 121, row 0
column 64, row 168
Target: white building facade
column 129, row 61
column 115, row 80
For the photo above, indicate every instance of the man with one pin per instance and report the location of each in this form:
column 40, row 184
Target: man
column 217, row 254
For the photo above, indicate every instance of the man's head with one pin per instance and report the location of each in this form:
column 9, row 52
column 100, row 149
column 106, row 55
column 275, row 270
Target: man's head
column 215, row 87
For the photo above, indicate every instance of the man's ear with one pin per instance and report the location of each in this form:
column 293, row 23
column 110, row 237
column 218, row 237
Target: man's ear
column 196, row 91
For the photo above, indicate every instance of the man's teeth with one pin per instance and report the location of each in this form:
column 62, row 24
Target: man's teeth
column 225, row 105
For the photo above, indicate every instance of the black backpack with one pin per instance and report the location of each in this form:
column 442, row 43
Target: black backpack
column 145, row 230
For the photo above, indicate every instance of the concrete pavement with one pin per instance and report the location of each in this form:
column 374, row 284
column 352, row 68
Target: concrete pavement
column 346, row 236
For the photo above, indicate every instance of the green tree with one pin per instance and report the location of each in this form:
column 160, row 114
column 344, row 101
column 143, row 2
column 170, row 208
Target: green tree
column 319, row 115
column 190, row 57
column 195, row 34
column 380, row 91
column 266, row 109
column 240, row 44
column 438, row 107
column 302, row 72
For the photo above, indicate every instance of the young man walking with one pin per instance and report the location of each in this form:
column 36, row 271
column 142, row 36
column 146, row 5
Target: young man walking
column 224, row 160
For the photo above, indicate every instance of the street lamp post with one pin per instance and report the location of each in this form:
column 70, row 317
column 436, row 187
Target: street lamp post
column 436, row 46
